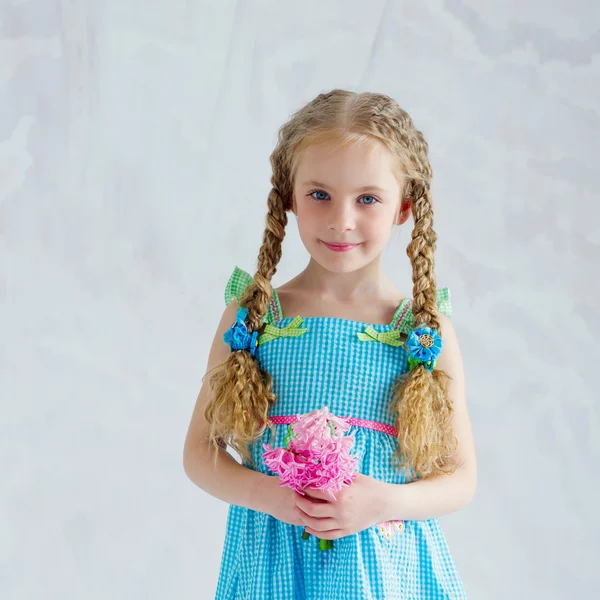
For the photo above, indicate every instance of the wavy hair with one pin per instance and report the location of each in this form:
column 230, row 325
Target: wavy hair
column 241, row 391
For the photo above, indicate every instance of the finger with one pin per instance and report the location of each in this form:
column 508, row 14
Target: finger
column 313, row 509
column 324, row 499
column 332, row 534
column 320, row 525
column 309, row 498
column 320, row 496
column 314, row 493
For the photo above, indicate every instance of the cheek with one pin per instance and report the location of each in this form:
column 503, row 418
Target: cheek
column 377, row 229
column 308, row 221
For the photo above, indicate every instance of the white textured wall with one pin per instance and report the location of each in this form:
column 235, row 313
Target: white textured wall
column 134, row 144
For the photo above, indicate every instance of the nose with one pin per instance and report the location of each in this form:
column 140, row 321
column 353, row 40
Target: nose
column 341, row 218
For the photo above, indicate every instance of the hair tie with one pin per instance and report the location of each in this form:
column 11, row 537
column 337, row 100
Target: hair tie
column 423, row 345
column 238, row 337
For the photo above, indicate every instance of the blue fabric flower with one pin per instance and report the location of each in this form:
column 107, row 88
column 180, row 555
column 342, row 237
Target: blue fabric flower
column 238, row 337
column 423, row 345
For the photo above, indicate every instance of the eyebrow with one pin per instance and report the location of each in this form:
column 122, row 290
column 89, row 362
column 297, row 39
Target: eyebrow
column 366, row 188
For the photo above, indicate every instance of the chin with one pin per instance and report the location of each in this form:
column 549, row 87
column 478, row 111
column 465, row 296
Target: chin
column 342, row 263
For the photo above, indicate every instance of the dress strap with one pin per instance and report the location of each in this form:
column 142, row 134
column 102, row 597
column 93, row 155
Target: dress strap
column 276, row 305
column 404, row 320
column 400, row 312
column 238, row 281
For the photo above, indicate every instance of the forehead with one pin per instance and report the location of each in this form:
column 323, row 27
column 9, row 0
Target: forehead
column 353, row 164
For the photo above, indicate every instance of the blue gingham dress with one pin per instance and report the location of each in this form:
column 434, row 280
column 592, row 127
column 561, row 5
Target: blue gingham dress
column 266, row 559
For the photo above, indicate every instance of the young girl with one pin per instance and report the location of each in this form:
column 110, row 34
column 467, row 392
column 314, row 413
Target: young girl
column 350, row 167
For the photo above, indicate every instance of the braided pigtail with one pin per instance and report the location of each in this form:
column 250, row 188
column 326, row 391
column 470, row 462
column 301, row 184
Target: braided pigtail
column 423, row 410
column 241, row 390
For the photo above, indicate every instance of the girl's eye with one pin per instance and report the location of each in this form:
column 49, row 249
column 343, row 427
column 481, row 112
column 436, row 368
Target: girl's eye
column 372, row 199
column 317, row 192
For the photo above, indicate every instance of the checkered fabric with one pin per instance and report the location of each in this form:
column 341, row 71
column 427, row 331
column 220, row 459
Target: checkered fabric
column 266, row 559
column 238, row 282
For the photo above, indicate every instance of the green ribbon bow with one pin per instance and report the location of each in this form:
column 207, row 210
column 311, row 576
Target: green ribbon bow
column 391, row 338
column 291, row 330
column 236, row 286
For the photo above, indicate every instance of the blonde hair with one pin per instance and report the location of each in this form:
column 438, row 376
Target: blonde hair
column 241, row 390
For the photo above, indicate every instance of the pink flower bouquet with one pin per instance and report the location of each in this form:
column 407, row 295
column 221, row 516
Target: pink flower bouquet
column 316, row 455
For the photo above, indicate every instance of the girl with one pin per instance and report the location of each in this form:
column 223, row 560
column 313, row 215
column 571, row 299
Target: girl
column 350, row 167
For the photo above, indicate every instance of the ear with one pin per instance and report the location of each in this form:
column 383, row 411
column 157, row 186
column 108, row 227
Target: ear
column 294, row 207
column 404, row 212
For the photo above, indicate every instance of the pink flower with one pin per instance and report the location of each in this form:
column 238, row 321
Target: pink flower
column 318, row 455
column 290, row 467
column 313, row 430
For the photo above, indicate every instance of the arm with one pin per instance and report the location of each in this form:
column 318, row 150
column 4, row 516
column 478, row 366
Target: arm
column 435, row 496
column 229, row 480
column 429, row 498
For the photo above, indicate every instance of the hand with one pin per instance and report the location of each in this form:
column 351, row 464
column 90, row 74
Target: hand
column 279, row 501
column 358, row 506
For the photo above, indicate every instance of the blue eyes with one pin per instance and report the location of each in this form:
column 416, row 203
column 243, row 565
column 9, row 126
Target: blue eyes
column 374, row 200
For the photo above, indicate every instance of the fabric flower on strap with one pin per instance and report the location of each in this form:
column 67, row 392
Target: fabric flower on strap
column 423, row 346
column 238, row 337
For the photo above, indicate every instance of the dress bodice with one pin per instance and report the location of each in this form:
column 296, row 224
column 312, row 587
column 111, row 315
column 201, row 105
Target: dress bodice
column 349, row 366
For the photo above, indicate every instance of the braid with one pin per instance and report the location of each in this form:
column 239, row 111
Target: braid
column 421, row 253
column 257, row 297
column 241, row 390
column 420, row 401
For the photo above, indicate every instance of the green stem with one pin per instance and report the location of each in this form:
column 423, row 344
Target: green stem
column 323, row 544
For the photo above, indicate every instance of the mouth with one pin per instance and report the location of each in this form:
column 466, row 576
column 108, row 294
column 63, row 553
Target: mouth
column 336, row 247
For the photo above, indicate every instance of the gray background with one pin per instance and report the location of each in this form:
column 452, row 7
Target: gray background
column 134, row 144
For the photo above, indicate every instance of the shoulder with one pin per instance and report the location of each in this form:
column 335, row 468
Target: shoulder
column 219, row 350
column 450, row 359
column 198, row 428
column 451, row 362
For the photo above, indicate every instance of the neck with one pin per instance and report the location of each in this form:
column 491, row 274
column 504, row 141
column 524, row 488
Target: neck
column 368, row 281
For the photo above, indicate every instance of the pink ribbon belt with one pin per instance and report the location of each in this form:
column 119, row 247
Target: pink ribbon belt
column 375, row 425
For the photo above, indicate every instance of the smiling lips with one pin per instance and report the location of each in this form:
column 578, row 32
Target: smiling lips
column 340, row 247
